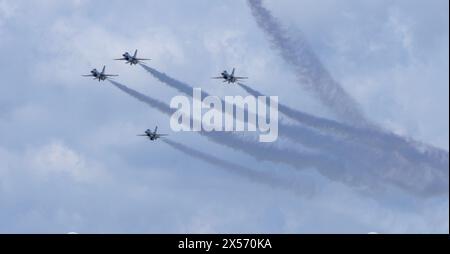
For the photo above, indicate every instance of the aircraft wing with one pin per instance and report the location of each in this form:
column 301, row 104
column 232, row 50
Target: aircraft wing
column 163, row 135
column 110, row 75
column 241, row 77
column 120, row 59
column 142, row 135
column 143, row 59
column 217, row 77
column 89, row 75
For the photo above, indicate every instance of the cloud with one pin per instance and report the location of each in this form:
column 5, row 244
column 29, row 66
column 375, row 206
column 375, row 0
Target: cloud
column 58, row 159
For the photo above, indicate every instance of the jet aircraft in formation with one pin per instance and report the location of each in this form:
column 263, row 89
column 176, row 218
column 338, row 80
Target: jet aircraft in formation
column 132, row 59
column 101, row 76
column 152, row 135
column 230, row 78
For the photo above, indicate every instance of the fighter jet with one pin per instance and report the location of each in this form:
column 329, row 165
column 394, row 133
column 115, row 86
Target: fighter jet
column 101, row 76
column 230, row 78
column 131, row 59
column 152, row 135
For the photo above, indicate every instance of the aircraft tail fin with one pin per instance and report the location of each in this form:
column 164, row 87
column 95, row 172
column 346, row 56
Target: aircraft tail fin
column 232, row 73
column 135, row 53
column 156, row 129
column 103, row 70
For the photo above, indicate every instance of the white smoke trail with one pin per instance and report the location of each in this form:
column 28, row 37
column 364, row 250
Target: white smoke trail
column 348, row 168
column 374, row 159
column 309, row 70
column 381, row 140
column 260, row 151
column 292, row 132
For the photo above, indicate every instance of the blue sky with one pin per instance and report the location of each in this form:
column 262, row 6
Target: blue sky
column 69, row 157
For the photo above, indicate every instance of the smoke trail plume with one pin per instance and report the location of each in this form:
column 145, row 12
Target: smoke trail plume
column 292, row 132
column 309, row 70
column 176, row 84
column 384, row 141
column 368, row 175
column 377, row 159
column 374, row 161
column 260, row 151
column 251, row 174
column 304, row 118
